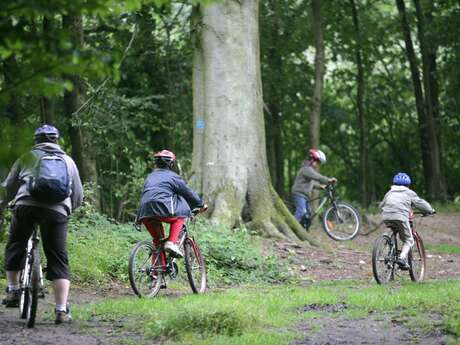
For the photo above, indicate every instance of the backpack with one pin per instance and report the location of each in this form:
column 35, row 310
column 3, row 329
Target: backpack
column 50, row 182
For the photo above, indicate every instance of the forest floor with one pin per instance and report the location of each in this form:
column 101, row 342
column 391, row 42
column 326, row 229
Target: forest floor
column 341, row 261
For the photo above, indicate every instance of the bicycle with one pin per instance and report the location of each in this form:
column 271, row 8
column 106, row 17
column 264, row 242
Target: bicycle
column 31, row 281
column 340, row 221
column 150, row 268
column 385, row 254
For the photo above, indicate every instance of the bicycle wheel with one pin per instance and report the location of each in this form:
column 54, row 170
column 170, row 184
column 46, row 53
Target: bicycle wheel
column 24, row 301
column 195, row 266
column 417, row 260
column 341, row 222
column 145, row 271
column 34, row 286
column 383, row 259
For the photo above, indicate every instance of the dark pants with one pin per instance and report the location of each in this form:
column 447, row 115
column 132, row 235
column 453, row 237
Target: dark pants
column 53, row 229
column 302, row 210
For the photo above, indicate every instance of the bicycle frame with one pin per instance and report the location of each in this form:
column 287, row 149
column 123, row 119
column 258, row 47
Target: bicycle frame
column 330, row 196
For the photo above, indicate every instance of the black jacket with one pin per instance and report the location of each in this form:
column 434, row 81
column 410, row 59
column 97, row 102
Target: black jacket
column 165, row 194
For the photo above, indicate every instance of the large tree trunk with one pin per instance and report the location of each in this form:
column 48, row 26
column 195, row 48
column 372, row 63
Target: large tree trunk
column 81, row 152
column 315, row 113
column 362, row 118
column 418, row 92
column 437, row 187
column 228, row 99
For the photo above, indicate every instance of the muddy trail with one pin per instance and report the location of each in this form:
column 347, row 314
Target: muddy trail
column 340, row 260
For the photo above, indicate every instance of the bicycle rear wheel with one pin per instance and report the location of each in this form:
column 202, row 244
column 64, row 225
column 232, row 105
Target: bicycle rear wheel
column 383, row 259
column 195, row 266
column 417, row 260
column 341, row 222
column 144, row 268
column 35, row 278
column 24, row 301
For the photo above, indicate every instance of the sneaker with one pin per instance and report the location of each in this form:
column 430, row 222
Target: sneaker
column 12, row 298
column 63, row 317
column 173, row 249
column 403, row 264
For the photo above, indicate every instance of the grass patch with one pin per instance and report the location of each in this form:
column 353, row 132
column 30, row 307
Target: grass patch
column 264, row 314
column 442, row 248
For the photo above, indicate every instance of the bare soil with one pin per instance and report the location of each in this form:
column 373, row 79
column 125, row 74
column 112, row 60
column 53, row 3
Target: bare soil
column 339, row 260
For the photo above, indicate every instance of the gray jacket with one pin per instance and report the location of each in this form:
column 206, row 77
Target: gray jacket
column 15, row 185
column 307, row 178
column 398, row 202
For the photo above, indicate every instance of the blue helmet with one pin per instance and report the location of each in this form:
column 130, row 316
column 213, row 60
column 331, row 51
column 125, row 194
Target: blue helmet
column 48, row 132
column 402, row 179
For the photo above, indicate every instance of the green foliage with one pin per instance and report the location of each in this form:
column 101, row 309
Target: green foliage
column 234, row 256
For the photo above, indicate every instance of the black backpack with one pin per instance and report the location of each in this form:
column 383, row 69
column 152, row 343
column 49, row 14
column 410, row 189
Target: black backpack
column 50, row 182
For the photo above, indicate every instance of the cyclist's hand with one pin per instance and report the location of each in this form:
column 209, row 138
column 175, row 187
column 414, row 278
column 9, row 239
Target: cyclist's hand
column 322, row 186
column 433, row 211
column 332, row 180
column 204, row 208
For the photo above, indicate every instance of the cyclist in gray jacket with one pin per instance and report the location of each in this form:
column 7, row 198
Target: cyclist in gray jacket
column 396, row 208
column 30, row 211
column 307, row 179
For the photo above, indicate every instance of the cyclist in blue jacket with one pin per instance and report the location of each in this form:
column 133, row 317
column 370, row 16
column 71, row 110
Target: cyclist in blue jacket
column 166, row 198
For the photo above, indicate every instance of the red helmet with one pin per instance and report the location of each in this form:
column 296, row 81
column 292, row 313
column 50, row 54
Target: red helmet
column 317, row 155
column 165, row 155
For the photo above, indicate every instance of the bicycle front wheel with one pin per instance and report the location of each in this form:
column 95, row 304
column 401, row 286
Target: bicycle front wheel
column 144, row 268
column 341, row 222
column 195, row 266
column 383, row 259
column 417, row 260
column 35, row 279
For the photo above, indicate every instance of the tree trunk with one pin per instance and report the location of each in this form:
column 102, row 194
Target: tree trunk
column 315, row 114
column 418, row 92
column 362, row 118
column 437, row 186
column 48, row 104
column 81, row 152
column 234, row 170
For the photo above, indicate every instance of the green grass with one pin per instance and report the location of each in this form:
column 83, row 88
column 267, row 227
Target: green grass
column 442, row 248
column 268, row 314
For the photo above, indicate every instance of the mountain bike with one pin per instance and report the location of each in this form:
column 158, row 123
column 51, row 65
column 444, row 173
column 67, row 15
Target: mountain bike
column 151, row 269
column 340, row 221
column 31, row 281
column 386, row 252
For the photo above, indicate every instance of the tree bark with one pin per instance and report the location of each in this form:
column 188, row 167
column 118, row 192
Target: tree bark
column 234, row 169
column 437, row 186
column 48, row 104
column 315, row 113
column 360, row 100
column 418, row 92
column 73, row 99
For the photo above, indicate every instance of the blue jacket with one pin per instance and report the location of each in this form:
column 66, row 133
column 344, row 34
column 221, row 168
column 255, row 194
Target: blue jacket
column 165, row 194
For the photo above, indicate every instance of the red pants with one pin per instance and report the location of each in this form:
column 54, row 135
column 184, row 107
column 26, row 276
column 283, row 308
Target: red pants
column 155, row 228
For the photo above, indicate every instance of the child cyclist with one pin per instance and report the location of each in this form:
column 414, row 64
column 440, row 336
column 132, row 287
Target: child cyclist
column 396, row 208
column 166, row 198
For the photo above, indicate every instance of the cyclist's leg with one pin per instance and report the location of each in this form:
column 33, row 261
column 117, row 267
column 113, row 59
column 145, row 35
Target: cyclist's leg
column 53, row 226
column 176, row 225
column 155, row 228
column 405, row 234
column 300, row 204
column 22, row 225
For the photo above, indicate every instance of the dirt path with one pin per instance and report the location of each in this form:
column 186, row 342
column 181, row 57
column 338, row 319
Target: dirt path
column 343, row 260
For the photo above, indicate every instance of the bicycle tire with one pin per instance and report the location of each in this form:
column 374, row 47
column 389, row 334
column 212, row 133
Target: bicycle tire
column 195, row 266
column 341, row 222
column 417, row 260
column 24, row 301
column 34, row 287
column 383, row 259
column 143, row 270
